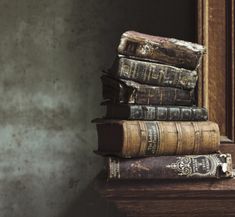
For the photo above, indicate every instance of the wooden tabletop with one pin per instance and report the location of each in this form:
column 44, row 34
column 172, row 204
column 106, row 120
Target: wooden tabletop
column 170, row 198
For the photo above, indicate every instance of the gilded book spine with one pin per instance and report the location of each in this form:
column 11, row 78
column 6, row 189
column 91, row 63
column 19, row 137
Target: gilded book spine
column 130, row 92
column 156, row 138
column 168, row 51
column 154, row 73
column 158, row 113
column 171, row 167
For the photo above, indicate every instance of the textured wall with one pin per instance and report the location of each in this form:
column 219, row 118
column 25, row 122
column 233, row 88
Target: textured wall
column 51, row 57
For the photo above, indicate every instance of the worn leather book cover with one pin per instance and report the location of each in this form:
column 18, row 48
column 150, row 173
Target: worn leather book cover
column 158, row 113
column 121, row 91
column 168, row 51
column 171, row 167
column 154, row 138
column 153, row 73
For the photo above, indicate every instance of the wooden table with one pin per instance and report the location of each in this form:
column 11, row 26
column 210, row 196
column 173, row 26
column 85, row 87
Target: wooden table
column 176, row 198
column 170, row 198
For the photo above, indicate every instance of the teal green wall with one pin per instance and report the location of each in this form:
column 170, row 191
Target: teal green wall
column 51, row 57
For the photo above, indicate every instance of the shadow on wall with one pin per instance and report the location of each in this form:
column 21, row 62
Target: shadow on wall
column 91, row 204
column 97, row 26
column 97, row 32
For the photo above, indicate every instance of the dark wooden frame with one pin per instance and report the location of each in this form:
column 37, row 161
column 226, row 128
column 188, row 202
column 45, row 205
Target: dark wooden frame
column 216, row 91
column 216, row 85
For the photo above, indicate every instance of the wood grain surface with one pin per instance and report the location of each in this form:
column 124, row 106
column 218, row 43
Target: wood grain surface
column 171, row 198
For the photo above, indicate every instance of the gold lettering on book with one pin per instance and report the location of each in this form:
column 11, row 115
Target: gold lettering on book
column 153, row 138
column 114, row 168
column 198, row 165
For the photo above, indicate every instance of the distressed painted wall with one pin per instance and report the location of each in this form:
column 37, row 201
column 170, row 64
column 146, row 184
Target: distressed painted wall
column 51, row 57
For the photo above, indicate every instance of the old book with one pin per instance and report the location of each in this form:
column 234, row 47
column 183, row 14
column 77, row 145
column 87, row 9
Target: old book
column 154, row 138
column 158, row 113
column 169, row 51
column 129, row 92
column 153, row 73
column 171, row 167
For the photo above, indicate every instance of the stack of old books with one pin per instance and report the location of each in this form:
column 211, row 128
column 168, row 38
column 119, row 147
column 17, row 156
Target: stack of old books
column 152, row 128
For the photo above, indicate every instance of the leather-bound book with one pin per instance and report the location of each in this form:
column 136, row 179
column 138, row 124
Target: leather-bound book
column 158, row 113
column 154, row 138
column 169, row 51
column 121, row 91
column 171, row 167
column 153, row 73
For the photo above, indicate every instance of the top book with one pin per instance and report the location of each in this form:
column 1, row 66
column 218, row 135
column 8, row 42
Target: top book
column 168, row 51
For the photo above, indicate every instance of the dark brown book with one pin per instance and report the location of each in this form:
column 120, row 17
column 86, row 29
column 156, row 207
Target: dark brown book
column 169, row 51
column 154, row 138
column 158, row 113
column 153, row 73
column 171, row 167
column 129, row 92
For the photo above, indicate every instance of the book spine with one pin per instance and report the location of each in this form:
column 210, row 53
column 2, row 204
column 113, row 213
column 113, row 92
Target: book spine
column 145, row 95
column 130, row 92
column 155, row 74
column 171, row 167
column 171, row 138
column 163, row 50
column 156, row 138
column 159, row 113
